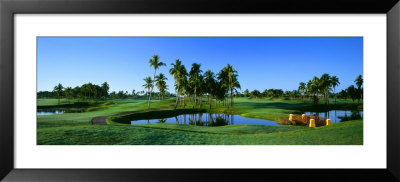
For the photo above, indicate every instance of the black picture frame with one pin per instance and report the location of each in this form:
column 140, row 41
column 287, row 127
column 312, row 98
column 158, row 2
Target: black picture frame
column 8, row 8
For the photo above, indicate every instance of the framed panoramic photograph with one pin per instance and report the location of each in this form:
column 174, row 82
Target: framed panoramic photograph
column 119, row 91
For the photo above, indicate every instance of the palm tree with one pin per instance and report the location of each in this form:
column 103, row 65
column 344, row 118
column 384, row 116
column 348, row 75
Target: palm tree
column 228, row 78
column 194, row 79
column 325, row 84
column 149, row 86
column 89, row 89
column 359, row 82
column 58, row 89
column 343, row 94
column 352, row 92
column 68, row 93
column 161, row 84
column 233, row 82
column 302, row 88
column 105, row 88
column 335, row 82
column 309, row 89
column 178, row 71
column 155, row 63
column 83, row 90
column 200, row 89
column 210, row 84
column 224, row 82
column 315, row 88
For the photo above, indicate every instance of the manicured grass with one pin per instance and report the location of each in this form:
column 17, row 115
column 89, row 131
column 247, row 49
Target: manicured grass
column 75, row 128
column 346, row 133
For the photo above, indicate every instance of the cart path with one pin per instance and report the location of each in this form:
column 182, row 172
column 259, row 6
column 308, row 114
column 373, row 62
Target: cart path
column 99, row 120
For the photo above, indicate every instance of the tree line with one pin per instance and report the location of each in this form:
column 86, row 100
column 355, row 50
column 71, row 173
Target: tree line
column 316, row 89
column 91, row 91
column 319, row 88
column 85, row 91
column 193, row 84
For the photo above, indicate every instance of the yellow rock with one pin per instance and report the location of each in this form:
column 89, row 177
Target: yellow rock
column 302, row 116
column 312, row 123
column 290, row 117
column 328, row 122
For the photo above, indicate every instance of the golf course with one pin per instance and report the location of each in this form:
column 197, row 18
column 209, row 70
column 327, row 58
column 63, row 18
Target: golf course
column 200, row 91
column 77, row 129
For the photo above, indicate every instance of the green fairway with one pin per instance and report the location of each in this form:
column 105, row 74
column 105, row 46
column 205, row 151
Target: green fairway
column 76, row 128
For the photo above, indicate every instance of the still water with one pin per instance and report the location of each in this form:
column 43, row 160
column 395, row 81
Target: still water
column 338, row 115
column 208, row 119
column 51, row 111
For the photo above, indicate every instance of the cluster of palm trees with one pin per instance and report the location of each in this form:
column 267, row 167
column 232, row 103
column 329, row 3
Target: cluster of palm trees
column 319, row 88
column 353, row 92
column 158, row 81
column 86, row 91
column 193, row 84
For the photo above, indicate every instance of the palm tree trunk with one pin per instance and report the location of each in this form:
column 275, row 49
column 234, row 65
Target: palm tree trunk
column 200, row 101
column 177, row 95
column 151, row 91
column 334, row 89
column 195, row 99
column 148, row 98
column 208, row 98
column 211, row 100
column 184, row 101
column 227, row 97
column 232, row 97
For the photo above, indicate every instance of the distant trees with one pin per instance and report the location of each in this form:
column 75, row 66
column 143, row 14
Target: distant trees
column 353, row 92
column 272, row 93
column 302, row 89
column 246, row 93
column 104, row 90
column 87, row 91
column 68, row 93
column 343, row 94
column 255, row 93
column 318, row 88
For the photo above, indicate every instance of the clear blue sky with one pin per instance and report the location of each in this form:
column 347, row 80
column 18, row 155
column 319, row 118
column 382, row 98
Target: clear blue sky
column 262, row 62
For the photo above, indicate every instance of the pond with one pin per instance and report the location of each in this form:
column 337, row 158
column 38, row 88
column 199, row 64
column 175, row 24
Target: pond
column 51, row 111
column 208, row 119
column 338, row 115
